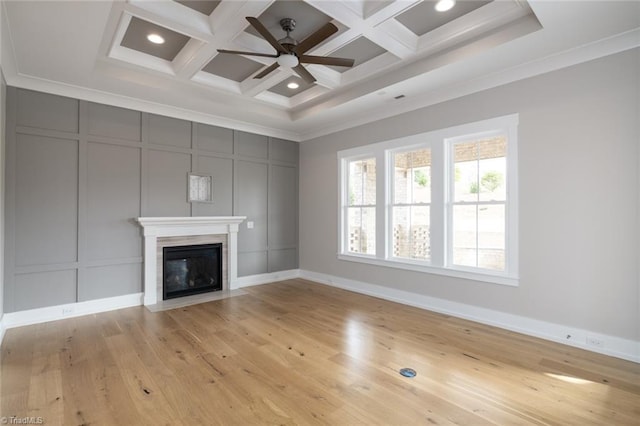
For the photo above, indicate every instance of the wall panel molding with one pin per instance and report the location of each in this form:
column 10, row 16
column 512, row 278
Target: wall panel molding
column 126, row 164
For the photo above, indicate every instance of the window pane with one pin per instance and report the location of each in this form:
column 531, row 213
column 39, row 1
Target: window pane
column 465, row 173
column 355, row 183
column 401, row 232
column 491, row 237
column 464, row 235
column 361, row 230
column 411, row 232
column 369, row 167
column 362, row 182
column 412, row 177
column 420, row 242
column 354, row 229
column 368, row 234
column 421, row 182
column 401, row 177
column 493, row 169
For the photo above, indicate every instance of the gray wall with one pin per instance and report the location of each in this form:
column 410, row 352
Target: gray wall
column 579, row 189
column 78, row 173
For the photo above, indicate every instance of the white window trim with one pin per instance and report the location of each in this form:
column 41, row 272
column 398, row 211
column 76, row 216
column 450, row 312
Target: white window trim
column 439, row 141
column 389, row 204
column 344, row 201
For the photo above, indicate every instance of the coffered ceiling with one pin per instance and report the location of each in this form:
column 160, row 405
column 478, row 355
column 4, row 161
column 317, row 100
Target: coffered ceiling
column 99, row 51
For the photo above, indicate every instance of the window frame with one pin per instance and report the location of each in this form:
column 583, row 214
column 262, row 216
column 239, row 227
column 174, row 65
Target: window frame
column 344, row 203
column 391, row 204
column 441, row 143
column 450, row 201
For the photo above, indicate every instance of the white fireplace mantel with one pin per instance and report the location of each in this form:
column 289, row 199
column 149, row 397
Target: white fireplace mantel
column 159, row 227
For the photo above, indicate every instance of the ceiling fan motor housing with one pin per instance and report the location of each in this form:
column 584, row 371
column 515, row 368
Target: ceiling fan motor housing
column 288, row 25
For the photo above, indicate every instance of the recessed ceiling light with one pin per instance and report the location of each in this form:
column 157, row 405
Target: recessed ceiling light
column 155, row 38
column 444, row 5
column 293, row 85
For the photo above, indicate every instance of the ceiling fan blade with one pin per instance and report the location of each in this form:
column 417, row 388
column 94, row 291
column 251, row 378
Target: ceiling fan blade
column 304, row 74
column 237, row 52
column 266, row 34
column 316, row 38
column 267, row 70
column 327, row 60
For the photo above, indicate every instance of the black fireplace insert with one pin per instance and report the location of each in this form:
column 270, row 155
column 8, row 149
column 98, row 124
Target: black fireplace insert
column 191, row 269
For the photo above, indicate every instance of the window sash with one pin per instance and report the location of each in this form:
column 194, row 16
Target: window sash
column 451, row 203
column 345, row 183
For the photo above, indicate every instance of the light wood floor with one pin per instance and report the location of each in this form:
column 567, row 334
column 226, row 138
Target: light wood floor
column 301, row 353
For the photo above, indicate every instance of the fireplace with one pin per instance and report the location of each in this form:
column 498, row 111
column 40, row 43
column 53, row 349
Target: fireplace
column 191, row 270
column 162, row 232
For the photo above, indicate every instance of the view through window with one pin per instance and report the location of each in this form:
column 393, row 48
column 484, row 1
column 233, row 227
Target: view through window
column 478, row 203
column 411, row 204
column 361, row 215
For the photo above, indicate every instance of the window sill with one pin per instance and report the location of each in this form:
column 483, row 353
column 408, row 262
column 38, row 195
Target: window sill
column 398, row 264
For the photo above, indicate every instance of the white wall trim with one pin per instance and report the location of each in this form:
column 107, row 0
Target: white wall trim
column 25, row 81
column 271, row 277
column 303, row 132
column 574, row 56
column 3, row 329
column 70, row 310
column 611, row 345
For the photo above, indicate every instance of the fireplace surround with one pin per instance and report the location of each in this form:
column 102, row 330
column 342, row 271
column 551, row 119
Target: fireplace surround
column 161, row 232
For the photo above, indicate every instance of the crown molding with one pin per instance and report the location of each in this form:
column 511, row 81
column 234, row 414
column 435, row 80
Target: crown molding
column 601, row 48
column 605, row 47
column 98, row 96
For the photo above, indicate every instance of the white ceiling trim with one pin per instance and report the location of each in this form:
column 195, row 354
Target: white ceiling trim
column 380, row 27
column 302, row 117
column 615, row 44
column 93, row 95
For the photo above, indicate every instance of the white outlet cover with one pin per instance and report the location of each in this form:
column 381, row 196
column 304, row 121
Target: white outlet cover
column 250, row 225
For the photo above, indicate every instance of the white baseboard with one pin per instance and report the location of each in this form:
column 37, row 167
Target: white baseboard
column 584, row 339
column 611, row 345
column 70, row 310
column 2, row 328
column 271, row 277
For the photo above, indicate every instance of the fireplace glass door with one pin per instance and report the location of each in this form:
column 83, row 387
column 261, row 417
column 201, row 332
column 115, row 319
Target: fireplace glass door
column 191, row 269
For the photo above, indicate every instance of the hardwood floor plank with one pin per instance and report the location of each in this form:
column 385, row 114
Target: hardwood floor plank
column 298, row 353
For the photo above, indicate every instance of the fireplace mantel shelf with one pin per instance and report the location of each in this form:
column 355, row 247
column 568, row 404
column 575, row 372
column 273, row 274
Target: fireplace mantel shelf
column 168, row 226
column 160, row 227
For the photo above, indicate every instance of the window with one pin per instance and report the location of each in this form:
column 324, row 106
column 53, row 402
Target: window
column 411, row 204
column 478, row 202
column 361, row 206
column 442, row 202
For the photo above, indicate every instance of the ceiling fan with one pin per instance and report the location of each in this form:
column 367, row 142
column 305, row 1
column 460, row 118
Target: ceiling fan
column 290, row 53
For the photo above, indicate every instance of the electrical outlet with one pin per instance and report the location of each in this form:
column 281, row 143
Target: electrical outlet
column 595, row 342
column 67, row 310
